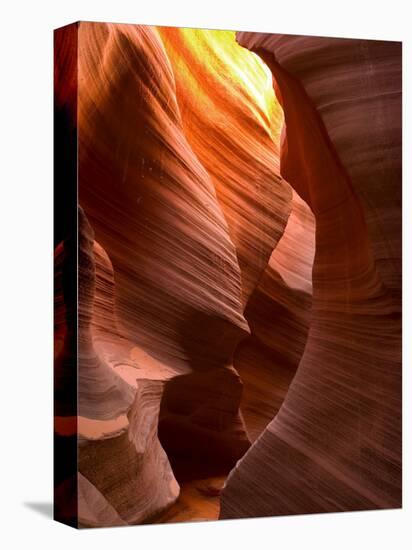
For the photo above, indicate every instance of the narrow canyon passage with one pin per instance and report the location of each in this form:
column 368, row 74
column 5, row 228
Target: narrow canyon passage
column 231, row 174
column 266, row 364
column 236, row 279
column 272, row 304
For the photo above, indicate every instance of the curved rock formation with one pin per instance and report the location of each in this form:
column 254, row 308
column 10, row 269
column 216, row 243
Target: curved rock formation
column 182, row 236
column 231, row 300
column 278, row 313
column 125, row 475
column 335, row 444
column 231, row 120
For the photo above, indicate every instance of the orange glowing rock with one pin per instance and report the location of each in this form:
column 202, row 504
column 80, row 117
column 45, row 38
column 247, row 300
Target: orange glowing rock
column 227, row 274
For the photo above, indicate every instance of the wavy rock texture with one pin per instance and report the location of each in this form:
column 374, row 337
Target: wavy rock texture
column 174, row 235
column 336, row 442
column 238, row 264
column 278, row 313
column 232, row 122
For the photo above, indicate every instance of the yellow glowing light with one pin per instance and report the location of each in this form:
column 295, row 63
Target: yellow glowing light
column 213, row 60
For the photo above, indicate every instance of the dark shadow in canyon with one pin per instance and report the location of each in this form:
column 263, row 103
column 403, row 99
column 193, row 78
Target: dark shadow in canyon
column 199, row 423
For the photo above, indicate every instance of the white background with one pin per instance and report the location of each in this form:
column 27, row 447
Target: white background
column 26, row 272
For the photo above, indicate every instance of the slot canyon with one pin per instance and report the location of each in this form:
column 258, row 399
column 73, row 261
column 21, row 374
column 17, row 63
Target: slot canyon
column 228, row 281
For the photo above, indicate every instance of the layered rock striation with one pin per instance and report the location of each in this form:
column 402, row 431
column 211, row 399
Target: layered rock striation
column 227, row 300
column 335, row 443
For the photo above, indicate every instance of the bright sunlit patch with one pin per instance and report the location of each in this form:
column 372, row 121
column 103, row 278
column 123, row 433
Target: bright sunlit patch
column 235, row 72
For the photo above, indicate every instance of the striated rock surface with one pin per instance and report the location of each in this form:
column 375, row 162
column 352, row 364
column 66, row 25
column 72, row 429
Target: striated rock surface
column 232, row 122
column 173, row 237
column 154, row 210
column 174, row 262
column 278, row 313
column 335, row 444
column 125, row 475
column 227, row 292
